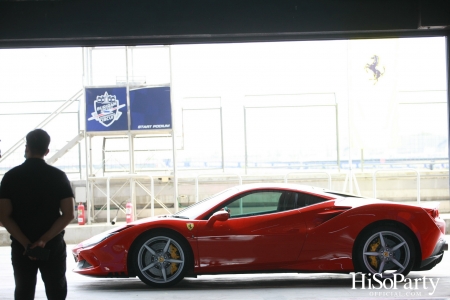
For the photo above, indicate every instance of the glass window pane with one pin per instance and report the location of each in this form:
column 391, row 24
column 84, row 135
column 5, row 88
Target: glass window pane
column 254, row 204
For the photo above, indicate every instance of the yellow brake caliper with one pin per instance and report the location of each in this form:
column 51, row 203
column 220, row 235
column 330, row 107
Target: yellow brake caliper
column 373, row 247
column 174, row 254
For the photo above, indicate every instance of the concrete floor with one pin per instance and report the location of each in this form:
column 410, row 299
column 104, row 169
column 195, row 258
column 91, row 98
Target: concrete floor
column 260, row 286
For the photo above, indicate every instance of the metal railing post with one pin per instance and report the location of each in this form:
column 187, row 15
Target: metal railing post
column 152, row 197
column 108, row 201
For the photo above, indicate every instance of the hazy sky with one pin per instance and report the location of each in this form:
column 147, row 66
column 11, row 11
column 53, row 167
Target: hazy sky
column 232, row 76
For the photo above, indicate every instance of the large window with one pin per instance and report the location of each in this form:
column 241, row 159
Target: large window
column 245, row 107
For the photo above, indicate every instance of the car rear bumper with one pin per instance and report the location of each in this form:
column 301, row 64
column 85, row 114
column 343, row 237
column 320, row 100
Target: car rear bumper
column 435, row 257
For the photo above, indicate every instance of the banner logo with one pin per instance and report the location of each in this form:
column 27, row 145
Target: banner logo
column 106, row 109
column 373, row 66
column 398, row 285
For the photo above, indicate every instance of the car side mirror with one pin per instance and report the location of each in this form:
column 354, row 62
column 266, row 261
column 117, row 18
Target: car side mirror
column 220, row 215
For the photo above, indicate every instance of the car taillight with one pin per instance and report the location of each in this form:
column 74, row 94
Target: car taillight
column 433, row 212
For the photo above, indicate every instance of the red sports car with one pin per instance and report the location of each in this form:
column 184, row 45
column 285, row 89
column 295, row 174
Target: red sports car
column 262, row 228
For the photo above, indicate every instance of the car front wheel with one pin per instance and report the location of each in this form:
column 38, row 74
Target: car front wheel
column 160, row 258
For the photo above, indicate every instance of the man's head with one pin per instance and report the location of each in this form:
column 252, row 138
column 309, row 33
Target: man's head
column 37, row 143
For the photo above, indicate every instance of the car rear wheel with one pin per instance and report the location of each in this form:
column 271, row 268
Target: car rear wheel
column 160, row 258
column 384, row 251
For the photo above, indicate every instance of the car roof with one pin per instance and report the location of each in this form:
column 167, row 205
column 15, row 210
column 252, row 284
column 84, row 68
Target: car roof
column 286, row 186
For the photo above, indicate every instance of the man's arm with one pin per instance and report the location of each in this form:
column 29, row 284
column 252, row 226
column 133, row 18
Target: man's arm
column 66, row 206
column 9, row 223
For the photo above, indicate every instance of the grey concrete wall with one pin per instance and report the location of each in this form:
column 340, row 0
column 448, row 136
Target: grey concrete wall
column 397, row 186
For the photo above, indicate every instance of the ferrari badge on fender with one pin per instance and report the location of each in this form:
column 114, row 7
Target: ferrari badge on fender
column 190, row 226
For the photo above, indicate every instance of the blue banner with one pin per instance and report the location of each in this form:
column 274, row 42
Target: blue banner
column 150, row 109
column 106, row 109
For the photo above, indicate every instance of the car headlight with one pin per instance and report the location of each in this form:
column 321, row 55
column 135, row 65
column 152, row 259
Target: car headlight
column 96, row 239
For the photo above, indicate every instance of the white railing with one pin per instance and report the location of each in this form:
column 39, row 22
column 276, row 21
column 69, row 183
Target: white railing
column 47, row 120
column 310, row 172
column 397, row 170
column 132, row 179
column 213, row 175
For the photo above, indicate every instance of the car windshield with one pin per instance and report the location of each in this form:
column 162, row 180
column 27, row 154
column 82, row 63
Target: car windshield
column 193, row 211
column 342, row 194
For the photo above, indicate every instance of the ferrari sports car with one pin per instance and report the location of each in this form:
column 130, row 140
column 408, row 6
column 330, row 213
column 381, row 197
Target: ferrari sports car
column 269, row 228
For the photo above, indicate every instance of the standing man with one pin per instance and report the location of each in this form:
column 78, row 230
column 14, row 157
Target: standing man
column 36, row 204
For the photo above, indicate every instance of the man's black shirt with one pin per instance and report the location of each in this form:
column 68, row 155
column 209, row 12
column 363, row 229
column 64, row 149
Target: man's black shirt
column 35, row 190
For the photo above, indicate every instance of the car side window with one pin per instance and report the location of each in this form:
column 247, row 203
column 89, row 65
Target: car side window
column 266, row 202
column 308, row 199
column 257, row 203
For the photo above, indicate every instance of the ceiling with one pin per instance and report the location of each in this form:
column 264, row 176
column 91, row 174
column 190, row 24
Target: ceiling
column 154, row 22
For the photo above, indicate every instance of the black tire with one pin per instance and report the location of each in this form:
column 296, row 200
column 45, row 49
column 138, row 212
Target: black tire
column 160, row 258
column 384, row 250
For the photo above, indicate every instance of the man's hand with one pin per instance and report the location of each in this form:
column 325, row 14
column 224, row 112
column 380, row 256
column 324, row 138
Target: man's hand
column 36, row 251
column 39, row 243
column 26, row 250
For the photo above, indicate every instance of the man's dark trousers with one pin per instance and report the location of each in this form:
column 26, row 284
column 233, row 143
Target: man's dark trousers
column 53, row 271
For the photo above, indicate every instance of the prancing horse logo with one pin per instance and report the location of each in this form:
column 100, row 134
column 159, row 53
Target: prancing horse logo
column 373, row 67
column 190, row 226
